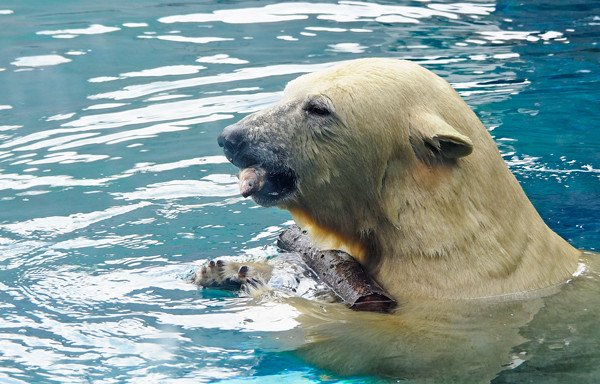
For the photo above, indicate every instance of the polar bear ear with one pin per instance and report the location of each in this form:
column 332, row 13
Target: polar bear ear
column 432, row 138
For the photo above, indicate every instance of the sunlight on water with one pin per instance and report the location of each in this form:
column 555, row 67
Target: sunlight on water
column 40, row 61
column 113, row 189
column 71, row 33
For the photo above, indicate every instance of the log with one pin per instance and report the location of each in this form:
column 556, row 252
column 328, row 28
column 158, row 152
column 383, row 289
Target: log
column 340, row 271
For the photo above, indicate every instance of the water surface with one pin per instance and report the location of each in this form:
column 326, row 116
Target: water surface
column 112, row 187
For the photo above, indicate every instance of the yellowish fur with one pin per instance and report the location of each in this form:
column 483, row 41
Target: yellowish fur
column 329, row 239
column 452, row 228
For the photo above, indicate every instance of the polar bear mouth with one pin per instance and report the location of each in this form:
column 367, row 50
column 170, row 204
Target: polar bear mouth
column 267, row 188
column 263, row 173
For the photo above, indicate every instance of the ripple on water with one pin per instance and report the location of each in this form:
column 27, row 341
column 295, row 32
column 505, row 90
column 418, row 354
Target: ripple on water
column 112, row 187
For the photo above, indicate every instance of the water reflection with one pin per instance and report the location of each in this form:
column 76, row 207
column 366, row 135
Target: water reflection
column 177, row 189
column 172, row 70
column 94, row 29
column 55, row 225
column 344, row 11
column 39, row 61
column 135, row 91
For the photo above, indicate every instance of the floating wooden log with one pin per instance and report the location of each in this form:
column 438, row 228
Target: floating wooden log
column 340, row 271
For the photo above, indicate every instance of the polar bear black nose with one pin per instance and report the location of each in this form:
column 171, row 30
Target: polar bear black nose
column 232, row 140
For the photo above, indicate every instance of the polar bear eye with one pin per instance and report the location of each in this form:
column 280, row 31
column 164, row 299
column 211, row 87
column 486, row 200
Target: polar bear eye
column 318, row 107
column 317, row 110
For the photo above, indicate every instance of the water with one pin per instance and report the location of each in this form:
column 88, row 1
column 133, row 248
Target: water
column 112, row 187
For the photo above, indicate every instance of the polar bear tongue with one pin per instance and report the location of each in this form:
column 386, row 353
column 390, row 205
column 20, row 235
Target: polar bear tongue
column 251, row 180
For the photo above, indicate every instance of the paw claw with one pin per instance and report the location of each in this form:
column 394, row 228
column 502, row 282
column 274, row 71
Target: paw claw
column 254, row 283
column 243, row 271
column 245, row 289
column 251, row 286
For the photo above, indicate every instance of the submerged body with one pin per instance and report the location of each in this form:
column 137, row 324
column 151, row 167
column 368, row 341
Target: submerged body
column 464, row 341
column 550, row 334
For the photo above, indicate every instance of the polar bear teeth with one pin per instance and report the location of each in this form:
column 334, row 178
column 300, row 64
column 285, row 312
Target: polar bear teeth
column 251, row 180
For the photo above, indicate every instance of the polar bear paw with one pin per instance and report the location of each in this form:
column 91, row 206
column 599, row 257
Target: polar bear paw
column 220, row 274
column 231, row 275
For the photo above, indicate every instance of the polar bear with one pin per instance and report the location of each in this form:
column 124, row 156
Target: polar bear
column 382, row 158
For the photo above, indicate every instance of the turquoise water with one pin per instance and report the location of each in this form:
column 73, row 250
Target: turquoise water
column 112, row 187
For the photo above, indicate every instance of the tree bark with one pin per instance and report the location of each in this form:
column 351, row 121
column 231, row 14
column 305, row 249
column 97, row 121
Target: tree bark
column 340, row 271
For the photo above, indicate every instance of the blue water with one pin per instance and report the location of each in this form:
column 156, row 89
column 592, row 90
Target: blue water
column 112, row 187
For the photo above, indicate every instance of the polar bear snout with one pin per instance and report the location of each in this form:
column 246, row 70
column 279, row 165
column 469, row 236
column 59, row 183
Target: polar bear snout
column 242, row 151
column 233, row 142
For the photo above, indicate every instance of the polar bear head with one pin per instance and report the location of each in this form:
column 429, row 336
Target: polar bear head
column 328, row 150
